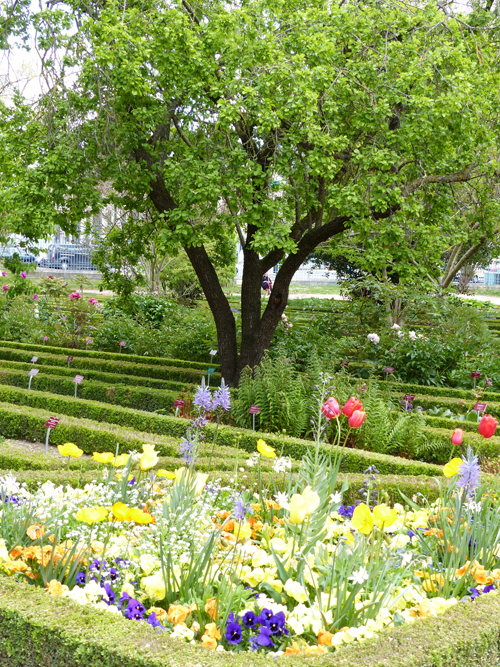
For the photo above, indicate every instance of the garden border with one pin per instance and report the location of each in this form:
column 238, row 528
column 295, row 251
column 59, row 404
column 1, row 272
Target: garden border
column 41, row 631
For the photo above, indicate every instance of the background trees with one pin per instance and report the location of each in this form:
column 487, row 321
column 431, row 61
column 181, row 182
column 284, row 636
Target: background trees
column 292, row 123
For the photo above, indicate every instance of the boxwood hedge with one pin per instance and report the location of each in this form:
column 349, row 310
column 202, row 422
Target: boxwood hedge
column 37, row 630
column 119, row 356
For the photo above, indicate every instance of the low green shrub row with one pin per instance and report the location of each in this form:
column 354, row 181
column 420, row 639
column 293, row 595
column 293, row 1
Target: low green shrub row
column 354, row 460
column 67, row 351
column 445, row 392
column 26, row 423
column 37, row 630
column 138, row 398
column 125, row 367
column 98, row 376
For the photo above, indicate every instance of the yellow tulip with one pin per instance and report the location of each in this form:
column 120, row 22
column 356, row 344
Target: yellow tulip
column 165, row 473
column 311, row 499
column 149, row 458
column 91, row 514
column 121, row 460
column 298, row 508
column 69, row 449
column 264, row 449
column 362, row 519
column 452, row 467
column 103, row 457
column 199, row 482
column 384, row 516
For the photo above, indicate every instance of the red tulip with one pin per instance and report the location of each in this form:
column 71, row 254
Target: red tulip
column 331, row 409
column 352, row 405
column 357, row 418
column 487, row 426
column 457, row 436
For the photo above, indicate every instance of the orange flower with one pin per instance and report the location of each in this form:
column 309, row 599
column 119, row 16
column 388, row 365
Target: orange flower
column 35, row 531
column 209, row 642
column 211, row 607
column 212, row 631
column 16, row 552
column 54, row 587
column 294, row 649
column 325, row 637
column 16, row 566
column 480, row 577
column 177, row 613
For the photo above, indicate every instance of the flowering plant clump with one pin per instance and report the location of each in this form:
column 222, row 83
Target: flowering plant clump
column 283, row 567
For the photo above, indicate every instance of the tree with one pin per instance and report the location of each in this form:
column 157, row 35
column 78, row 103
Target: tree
column 308, row 120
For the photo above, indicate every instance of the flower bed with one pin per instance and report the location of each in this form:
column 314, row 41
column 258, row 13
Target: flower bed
column 283, row 567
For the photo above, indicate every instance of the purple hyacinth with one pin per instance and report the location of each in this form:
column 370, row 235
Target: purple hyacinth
column 203, row 399
column 222, row 398
column 469, row 473
column 186, row 449
column 241, row 509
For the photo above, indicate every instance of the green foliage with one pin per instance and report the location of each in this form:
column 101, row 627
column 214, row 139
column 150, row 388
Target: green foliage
column 280, row 392
column 385, row 430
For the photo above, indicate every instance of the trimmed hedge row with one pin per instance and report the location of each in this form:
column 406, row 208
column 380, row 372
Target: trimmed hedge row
column 21, row 422
column 107, row 378
column 125, row 367
column 37, row 630
column 34, row 467
column 354, row 460
column 117, row 356
column 445, row 392
column 139, row 399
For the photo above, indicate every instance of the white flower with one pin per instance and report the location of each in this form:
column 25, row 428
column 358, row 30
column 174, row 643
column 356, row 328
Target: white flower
column 406, row 559
column 400, row 334
column 282, row 499
column 282, row 464
column 360, row 576
column 412, row 335
column 396, row 327
column 473, row 506
column 336, row 497
column 374, row 338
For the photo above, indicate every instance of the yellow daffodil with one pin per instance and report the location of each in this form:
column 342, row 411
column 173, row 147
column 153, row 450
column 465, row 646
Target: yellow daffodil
column 121, row 460
column 103, row 457
column 70, row 449
column 311, row 499
column 298, row 508
column 264, row 449
column 362, row 519
column 165, row 473
column 384, row 516
column 129, row 478
column 149, row 458
column 92, row 514
column 452, row 467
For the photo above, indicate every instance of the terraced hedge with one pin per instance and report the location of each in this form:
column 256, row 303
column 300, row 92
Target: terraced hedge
column 126, row 367
column 25, row 412
column 139, row 398
column 108, row 378
column 119, row 356
column 37, row 630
